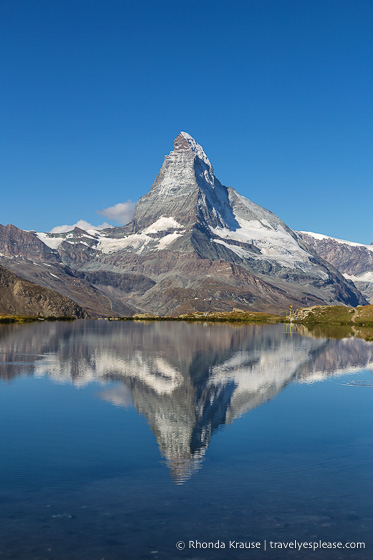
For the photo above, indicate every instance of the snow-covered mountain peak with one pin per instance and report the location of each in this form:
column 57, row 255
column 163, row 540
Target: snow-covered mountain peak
column 184, row 142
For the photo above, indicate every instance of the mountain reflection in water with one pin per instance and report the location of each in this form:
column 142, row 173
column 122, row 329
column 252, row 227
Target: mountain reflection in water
column 185, row 379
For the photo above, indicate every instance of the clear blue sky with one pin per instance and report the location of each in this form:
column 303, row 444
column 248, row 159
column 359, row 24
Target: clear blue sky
column 278, row 92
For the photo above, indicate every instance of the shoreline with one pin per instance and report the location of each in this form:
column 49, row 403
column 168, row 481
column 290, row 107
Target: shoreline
column 361, row 316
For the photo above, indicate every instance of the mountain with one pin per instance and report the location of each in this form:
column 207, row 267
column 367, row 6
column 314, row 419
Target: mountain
column 193, row 245
column 21, row 297
column 23, row 253
column 353, row 260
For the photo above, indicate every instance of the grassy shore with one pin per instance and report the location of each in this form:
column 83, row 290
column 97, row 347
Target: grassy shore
column 216, row 316
column 318, row 322
column 6, row 319
column 361, row 316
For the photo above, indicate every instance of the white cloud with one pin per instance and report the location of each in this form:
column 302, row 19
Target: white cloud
column 82, row 224
column 122, row 213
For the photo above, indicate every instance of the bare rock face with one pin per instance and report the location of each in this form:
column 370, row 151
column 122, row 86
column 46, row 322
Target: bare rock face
column 21, row 297
column 193, row 245
column 353, row 260
column 15, row 242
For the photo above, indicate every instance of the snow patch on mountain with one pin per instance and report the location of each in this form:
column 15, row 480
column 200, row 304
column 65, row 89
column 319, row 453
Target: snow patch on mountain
column 163, row 224
column 273, row 241
column 320, row 237
column 135, row 241
column 167, row 240
column 138, row 241
column 51, row 242
column 240, row 251
column 365, row 277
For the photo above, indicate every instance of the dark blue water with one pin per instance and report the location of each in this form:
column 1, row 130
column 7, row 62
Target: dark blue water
column 120, row 439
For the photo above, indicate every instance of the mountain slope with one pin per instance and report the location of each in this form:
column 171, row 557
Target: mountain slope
column 23, row 253
column 353, row 260
column 21, row 297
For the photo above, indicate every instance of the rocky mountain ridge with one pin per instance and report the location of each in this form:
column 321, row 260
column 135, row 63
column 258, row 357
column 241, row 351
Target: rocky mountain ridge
column 353, row 260
column 24, row 254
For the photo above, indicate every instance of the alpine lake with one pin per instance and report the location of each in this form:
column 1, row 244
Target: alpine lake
column 187, row 441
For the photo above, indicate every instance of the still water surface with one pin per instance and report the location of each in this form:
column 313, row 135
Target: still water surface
column 120, row 439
